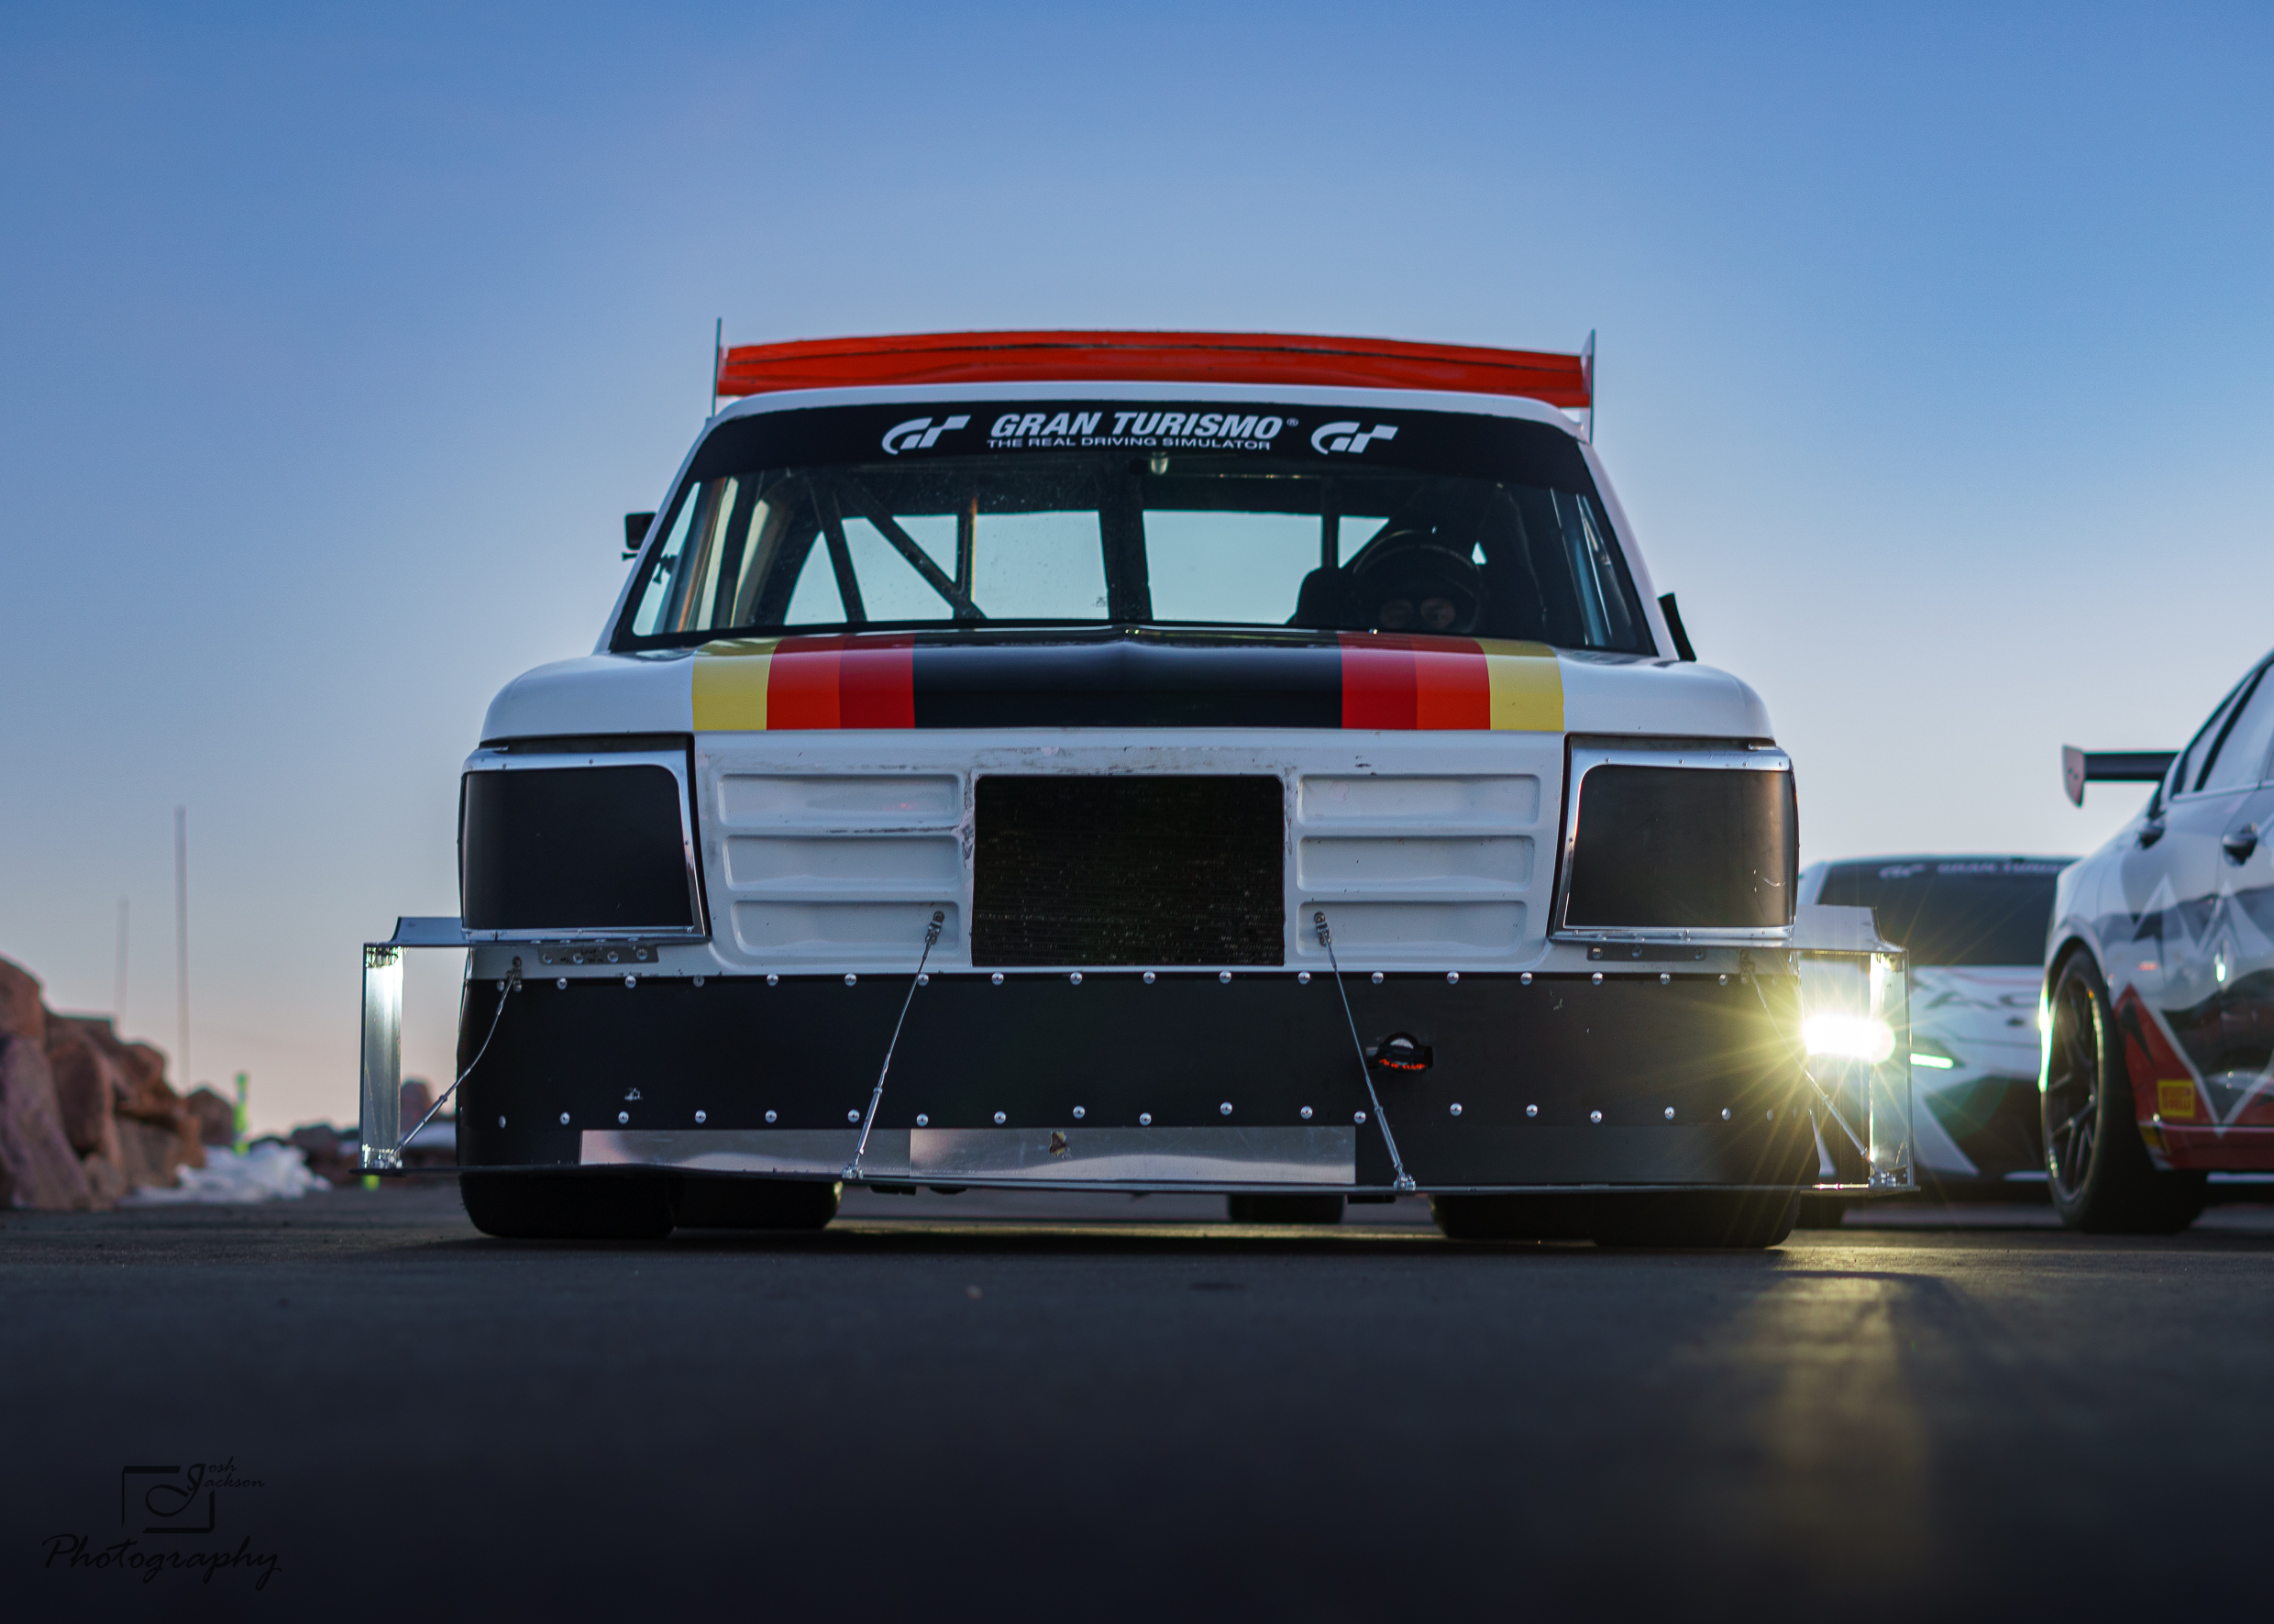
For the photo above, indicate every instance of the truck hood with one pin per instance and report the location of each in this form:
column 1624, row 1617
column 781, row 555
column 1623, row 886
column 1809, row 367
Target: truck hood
column 1119, row 677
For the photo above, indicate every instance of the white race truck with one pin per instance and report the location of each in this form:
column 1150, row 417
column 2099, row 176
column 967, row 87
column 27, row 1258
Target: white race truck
column 1183, row 761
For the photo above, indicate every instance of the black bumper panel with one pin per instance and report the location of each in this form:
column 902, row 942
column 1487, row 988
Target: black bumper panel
column 1560, row 1083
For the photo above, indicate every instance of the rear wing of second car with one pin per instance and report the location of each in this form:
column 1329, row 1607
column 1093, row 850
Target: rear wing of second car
column 2080, row 768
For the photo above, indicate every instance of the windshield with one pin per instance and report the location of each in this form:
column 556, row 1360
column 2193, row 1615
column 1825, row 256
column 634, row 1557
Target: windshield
column 1974, row 911
column 1229, row 531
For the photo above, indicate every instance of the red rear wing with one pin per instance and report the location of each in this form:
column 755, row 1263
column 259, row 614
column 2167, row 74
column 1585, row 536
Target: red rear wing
column 1155, row 358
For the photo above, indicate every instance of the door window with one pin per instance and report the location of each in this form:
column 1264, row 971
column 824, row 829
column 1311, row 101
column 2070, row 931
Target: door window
column 2241, row 759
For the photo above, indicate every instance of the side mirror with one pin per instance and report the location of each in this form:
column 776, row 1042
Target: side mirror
column 2080, row 768
column 636, row 532
column 1673, row 624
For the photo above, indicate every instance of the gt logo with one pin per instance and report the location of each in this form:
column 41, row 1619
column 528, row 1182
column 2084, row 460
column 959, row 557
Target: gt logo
column 1344, row 436
column 918, row 433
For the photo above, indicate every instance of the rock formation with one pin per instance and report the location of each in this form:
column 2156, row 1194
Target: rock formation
column 85, row 1117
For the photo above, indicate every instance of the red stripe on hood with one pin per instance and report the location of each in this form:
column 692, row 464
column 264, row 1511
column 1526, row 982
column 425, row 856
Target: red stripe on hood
column 843, row 681
column 1393, row 680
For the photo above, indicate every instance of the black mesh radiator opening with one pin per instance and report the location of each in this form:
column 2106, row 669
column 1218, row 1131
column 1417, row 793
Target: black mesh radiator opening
column 1129, row 871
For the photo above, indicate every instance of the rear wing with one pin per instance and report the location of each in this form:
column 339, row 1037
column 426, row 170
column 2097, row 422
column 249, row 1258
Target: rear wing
column 2080, row 768
column 1104, row 357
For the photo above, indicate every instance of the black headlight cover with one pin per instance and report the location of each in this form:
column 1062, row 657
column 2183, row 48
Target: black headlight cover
column 1683, row 848
column 573, row 849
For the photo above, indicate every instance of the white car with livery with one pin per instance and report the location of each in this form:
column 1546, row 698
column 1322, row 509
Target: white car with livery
column 1972, row 926
column 1153, row 761
column 2158, row 1065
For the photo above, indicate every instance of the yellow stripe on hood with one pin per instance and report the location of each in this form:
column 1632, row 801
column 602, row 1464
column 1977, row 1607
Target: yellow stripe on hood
column 1526, row 684
column 730, row 681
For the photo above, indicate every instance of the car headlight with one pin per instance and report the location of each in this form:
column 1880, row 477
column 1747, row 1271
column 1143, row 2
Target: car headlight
column 559, row 844
column 1849, row 1037
column 1680, row 840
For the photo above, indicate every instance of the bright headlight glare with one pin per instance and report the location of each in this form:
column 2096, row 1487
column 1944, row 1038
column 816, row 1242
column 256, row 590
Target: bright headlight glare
column 1851, row 1037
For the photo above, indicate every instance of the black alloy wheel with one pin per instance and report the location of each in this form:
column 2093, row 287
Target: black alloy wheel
column 2097, row 1167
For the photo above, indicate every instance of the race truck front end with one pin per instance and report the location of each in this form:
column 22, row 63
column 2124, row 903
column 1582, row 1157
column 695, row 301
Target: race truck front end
column 1159, row 766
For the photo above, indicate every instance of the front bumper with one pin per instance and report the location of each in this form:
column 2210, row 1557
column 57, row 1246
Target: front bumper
column 1609, row 1071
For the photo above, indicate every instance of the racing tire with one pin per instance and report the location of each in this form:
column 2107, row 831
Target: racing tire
column 1512, row 1218
column 1821, row 1212
column 1284, row 1209
column 1703, row 1220
column 568, row 1206
column 2097, row 1167
column 759, row 1203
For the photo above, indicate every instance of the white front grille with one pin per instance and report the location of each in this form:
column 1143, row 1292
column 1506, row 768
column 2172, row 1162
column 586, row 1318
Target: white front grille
column 1418, row 866
column 830, row 851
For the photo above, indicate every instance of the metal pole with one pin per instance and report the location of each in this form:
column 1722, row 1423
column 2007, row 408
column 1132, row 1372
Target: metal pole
column 119, row 986
column 1587, row 367
column 932, row 936
column 1381, row 1118
column 718, row 359
column 182, row 941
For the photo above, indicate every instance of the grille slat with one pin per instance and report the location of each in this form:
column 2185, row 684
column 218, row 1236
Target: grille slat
column 1077, row 870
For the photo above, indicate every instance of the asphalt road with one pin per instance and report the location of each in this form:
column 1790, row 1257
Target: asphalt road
column 1115, row 1409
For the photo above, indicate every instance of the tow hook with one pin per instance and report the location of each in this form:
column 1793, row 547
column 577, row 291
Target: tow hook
column 1399, row 1053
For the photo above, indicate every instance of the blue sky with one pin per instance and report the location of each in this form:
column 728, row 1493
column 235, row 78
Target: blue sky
column 1936, row 358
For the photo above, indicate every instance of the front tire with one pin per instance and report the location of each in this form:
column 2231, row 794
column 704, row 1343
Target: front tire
column 1284, row 1209
column 1512, row 1218
column 727, row 1203
column 568, row 1206
column 1705, row 1220
column 2097, row 1167
column 1821, row 1212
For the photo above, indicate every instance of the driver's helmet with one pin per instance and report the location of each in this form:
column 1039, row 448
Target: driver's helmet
column 1411, row 582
